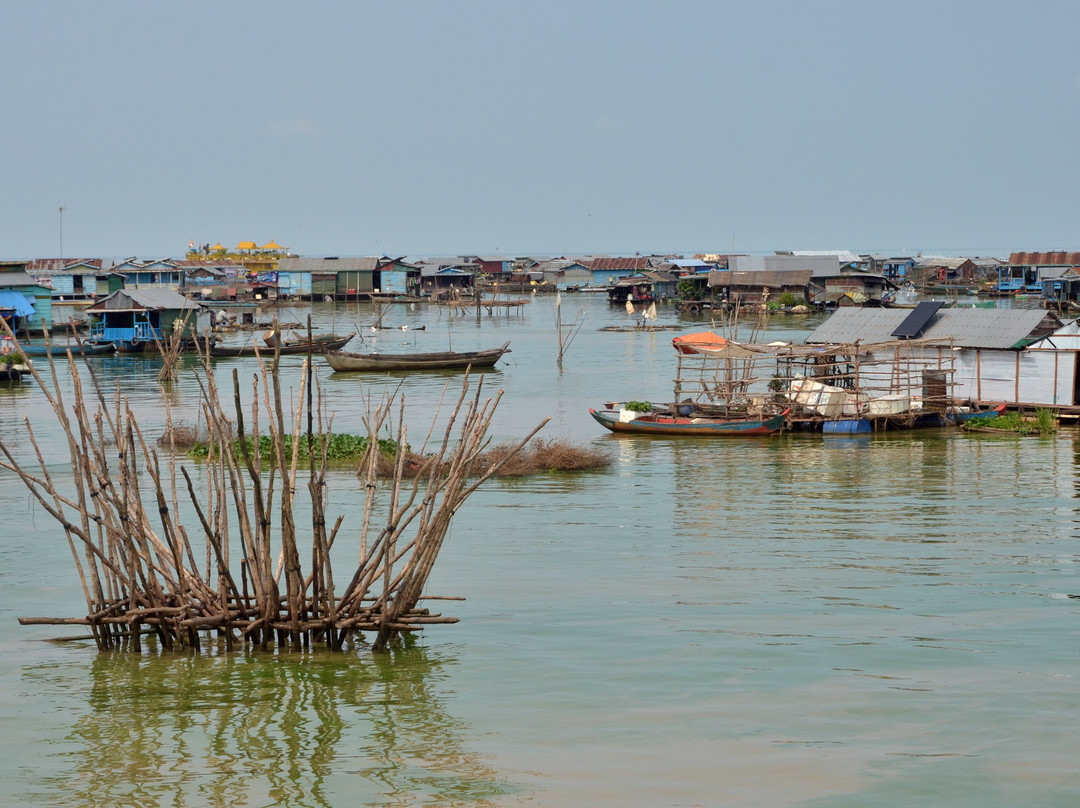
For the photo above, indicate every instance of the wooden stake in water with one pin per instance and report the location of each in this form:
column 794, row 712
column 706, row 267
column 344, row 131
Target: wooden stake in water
column 138, row 562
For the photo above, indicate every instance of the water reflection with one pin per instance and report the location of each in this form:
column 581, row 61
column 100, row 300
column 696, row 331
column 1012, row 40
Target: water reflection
column 282, row 730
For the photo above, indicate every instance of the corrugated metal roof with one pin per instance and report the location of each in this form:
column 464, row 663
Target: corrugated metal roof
column 1057, row 258
column 818, row 264
column 60, row 264
column 942, row 261
column 328, row 265
column 144, row 299
column 16, row 278
column 841, row 256
column 639, row 263
column 969, row 328
column 775, row 280
column 1053, row 273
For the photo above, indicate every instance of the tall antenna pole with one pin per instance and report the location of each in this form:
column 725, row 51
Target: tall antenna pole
column 61, row 234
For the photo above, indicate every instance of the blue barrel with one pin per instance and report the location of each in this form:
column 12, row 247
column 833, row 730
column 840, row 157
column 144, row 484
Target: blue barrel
column 848, row 426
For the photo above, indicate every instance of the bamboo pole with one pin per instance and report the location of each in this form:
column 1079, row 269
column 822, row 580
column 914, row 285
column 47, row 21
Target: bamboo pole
column 138, row 563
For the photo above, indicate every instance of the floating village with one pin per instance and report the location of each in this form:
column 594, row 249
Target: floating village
column 908, row 343
column 912, row 341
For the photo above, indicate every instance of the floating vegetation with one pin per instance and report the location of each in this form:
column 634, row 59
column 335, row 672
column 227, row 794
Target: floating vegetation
column 337, row 447
column 1044, row 422
column 544, row 456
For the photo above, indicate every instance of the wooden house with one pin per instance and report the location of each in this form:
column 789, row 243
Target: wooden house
column 149, row 274
column 134, row 319
column 848, row 289
column 440, row 277
column 494, row 265
column 758, row 278
column 330, row 276
column 76, row 279
column 935, row 271
column 606, row 271
column 209, row 271
column 562, row 273
column 397, row 277
column 1025, row 271
column 1024, row 357
column 644, row 287
column 897, row 268
column 25, row 304
column 1060, row 287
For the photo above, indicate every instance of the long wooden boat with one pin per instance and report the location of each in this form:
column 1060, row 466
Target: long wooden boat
column 656, row 423
column 319, row 345
column 54, row 349
column 448, row 360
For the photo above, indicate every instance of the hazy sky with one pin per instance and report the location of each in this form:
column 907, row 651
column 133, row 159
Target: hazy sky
column 355, row 128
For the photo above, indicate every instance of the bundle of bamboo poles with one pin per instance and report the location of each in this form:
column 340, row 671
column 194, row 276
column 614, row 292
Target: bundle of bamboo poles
column 143, row 571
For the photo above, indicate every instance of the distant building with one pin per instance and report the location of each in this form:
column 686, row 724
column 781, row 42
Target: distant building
column 758, row 278
column 606, row 271
column 1022, row 272
column 136, row 319
column 25, row 304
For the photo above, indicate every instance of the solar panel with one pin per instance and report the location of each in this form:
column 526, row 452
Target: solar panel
column 919, row 318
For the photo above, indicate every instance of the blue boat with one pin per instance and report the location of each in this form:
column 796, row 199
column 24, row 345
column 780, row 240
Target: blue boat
column 54, row 349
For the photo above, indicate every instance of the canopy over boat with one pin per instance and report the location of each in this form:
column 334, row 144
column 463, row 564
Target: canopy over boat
column 702, row 342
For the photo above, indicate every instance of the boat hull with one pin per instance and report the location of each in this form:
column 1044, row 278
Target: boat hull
column 655, row 424
column 350, row 362
column 317, row 347
column 87, row 349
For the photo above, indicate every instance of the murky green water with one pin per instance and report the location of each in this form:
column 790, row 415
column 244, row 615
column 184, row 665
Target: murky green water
column 791, row 621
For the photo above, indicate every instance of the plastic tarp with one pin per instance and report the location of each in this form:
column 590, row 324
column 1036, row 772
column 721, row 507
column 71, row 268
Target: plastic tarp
column 17, row 302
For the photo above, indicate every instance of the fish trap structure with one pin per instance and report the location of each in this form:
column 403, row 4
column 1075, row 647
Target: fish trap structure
column 244, row 573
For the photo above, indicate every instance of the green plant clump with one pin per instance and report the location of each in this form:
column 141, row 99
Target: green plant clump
column 339, row 447
column 638, row 406
column 1043, row 422
column 1045, row 419
column 688, row 290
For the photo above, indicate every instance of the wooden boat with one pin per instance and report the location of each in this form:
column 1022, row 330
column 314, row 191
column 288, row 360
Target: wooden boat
column 658, row 423
column 448, row 360
column 54, row 349
column 318, row 345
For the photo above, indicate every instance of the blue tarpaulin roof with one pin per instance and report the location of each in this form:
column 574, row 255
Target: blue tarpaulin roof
column 15, row 301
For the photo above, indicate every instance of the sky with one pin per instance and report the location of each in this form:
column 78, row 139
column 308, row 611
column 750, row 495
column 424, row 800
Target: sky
column 551, row 128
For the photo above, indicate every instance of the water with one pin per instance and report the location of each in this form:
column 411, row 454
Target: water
column 792, row 621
